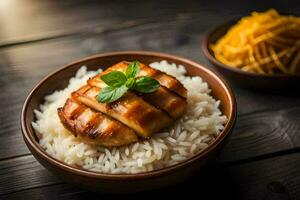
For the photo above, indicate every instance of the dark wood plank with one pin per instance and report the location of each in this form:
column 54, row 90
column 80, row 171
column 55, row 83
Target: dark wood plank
column 89, row 17
column 23, row 173
column 269, row 179
column 34, row 20
column 263, row 134
column 24, row 21
column 24, row 177
column 189, row 189
column 275, row 178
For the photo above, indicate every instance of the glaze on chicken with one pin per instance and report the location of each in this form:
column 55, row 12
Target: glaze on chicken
column 94, row 127
column 135, row 115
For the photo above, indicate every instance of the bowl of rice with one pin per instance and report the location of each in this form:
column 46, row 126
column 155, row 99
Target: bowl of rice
column 168, row 157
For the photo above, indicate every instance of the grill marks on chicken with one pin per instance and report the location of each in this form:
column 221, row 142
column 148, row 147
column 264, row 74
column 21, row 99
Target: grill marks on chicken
column 124, row 120
column 129, row 109
column 164, row 99
column 94, row 127
column 164, row 79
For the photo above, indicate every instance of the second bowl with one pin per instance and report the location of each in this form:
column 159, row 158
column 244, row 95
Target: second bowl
column 276, row 82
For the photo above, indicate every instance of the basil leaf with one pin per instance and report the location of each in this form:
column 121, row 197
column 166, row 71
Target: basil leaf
column 130, row 83
column 132, row 69
column 114, row 79
column 146, row 84
column 109, row 94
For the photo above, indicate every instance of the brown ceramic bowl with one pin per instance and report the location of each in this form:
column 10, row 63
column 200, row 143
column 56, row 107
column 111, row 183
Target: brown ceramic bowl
column 125, row 182
column 250, row 80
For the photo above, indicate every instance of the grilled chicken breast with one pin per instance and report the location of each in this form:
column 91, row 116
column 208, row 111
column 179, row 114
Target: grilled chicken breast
column 170, row 102
column 124, row 120
column 129, row 109
column 94, row 127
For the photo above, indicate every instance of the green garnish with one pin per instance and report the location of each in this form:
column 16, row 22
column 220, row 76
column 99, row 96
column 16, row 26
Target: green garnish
column 118, row 83
column 110, row 94
column 146, row 84
column 132, row 69
column 114, row 79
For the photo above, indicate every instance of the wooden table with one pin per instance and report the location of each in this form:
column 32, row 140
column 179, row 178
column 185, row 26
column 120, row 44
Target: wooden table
column 262, row 158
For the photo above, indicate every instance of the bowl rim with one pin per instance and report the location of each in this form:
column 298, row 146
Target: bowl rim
column 209, row 55
column 33, row 145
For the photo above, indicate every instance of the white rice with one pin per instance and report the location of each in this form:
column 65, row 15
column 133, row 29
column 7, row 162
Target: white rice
column 200, row 126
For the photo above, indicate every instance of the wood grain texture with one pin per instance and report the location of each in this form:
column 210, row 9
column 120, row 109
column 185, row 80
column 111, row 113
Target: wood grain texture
column 269, row 179
column 23, row 173
column 25, row 170
column 263, row 133
column 274, row 178
column 32, row 20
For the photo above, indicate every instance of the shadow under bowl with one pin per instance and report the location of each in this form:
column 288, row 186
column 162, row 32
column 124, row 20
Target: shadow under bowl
column 120, row 183
column 276, row 82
